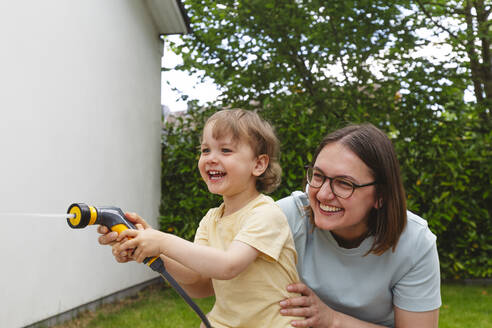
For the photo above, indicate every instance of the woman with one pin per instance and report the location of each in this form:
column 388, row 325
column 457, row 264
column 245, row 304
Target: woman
column 364, row 260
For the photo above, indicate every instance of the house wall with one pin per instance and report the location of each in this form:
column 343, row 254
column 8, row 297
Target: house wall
column 79, row 122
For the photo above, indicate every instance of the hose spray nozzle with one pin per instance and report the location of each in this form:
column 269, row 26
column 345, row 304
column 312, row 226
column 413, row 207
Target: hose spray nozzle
column 110, row 216
column 114, row 219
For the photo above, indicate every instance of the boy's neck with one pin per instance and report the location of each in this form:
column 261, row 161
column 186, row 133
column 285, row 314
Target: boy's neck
column 235, row 203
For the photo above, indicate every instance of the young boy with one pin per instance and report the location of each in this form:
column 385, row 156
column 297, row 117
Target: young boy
column 244, row 247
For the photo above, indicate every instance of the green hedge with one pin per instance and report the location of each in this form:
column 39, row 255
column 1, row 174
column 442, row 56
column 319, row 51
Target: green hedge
column 448, row 183
column 445, row 165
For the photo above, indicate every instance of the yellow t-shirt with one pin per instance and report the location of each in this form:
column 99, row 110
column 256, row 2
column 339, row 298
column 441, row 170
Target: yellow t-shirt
column 251, row 299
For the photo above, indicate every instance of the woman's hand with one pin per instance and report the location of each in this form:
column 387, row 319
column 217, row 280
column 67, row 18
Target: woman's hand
column 308, row 305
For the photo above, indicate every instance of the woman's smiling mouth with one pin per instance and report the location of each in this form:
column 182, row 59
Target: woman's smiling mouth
column 329, row 208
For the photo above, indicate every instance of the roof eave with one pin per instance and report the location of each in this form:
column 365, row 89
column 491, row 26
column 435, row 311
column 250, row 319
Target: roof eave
column 169, row 16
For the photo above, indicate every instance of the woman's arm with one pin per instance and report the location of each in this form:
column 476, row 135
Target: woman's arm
column 319, row 315
column 196, row 285
column 205, row 260
column 407, row 319
column 200, row 289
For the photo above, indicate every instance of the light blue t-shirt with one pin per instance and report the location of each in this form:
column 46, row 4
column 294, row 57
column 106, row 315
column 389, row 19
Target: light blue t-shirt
column 366, row 287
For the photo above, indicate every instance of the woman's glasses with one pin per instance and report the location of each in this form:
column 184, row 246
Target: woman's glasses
column 340, row 186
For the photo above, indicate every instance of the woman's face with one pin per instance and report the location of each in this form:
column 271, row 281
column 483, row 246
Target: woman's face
column 346, row 218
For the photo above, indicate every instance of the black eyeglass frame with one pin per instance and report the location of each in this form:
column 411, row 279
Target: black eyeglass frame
column 353, row 184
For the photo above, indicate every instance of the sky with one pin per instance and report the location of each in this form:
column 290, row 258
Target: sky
column 189, row 85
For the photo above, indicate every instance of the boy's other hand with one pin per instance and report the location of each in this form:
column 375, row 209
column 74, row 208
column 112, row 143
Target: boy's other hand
column 109, row 237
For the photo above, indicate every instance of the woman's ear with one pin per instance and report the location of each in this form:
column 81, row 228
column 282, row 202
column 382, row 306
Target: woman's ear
column 379, row 203
column 261, row 165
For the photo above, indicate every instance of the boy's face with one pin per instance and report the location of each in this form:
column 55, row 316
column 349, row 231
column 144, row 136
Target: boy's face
column 228, row 167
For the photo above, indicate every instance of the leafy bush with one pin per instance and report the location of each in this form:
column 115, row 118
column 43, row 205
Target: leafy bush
column 445, row 164
column 184, row 196
column 448, row 183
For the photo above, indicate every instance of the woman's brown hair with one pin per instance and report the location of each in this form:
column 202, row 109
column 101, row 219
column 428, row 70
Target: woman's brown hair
column 374, row 148
column 245, row 125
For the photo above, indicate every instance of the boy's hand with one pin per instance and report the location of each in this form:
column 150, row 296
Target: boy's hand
column 122, row 256
column 109, row 237
column 143, row 243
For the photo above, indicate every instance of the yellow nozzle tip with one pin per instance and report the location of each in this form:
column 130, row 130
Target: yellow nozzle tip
column 76, row 215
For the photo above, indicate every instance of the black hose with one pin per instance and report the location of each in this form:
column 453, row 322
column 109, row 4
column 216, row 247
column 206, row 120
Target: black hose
column 158, row 266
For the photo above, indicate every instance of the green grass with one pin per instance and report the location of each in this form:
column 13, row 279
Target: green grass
column 466, row 306
column 158, row 306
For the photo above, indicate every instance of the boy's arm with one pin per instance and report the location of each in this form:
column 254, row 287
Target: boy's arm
column 192, row 282
column 209, row 261
column 205, row 260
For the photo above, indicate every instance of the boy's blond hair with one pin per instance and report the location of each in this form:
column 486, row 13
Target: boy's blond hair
column 244, row 125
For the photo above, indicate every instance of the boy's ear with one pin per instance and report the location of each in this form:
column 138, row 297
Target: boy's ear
column 261, row 164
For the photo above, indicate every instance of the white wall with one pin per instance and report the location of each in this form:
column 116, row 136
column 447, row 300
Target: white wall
column 79, row 122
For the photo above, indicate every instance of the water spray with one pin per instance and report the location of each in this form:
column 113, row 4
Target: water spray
column 38, row 215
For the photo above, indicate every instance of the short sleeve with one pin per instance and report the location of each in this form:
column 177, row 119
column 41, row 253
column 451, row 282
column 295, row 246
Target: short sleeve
column 201, row 235
column 265, row 229
column 293, row 207
column 419, row 289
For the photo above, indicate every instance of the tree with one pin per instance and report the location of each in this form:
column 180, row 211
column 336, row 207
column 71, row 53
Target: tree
column 468, row 29
column 309, row 66
column 256, row 50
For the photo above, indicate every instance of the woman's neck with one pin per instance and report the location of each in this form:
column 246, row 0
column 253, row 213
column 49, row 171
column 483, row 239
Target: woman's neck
column 350, row 243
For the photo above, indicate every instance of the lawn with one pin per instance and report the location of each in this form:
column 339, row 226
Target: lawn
column 466, row 306
column 158, row 306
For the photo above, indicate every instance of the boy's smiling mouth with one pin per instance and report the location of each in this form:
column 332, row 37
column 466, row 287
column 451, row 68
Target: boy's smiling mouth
column 215, row 175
